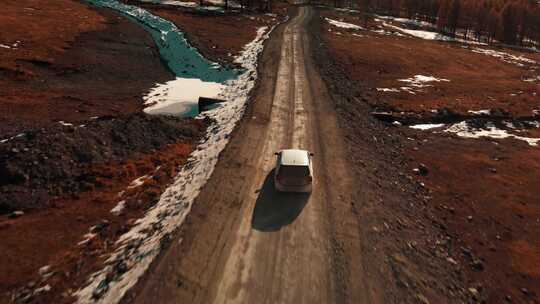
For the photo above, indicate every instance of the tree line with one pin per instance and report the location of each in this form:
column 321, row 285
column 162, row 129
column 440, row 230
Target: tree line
column 514, row 22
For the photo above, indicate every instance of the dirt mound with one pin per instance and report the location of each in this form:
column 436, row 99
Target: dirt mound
column 58, row 160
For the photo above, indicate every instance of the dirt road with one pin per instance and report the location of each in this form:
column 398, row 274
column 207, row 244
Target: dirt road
column 245, row 243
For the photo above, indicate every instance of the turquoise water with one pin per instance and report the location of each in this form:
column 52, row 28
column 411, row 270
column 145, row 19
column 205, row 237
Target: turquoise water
column 182, row 59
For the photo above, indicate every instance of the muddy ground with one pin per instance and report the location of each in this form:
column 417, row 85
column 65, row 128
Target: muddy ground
column 479, row 212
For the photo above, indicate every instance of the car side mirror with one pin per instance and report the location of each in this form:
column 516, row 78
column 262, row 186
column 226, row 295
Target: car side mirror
column 276, row 153
column 311, row 154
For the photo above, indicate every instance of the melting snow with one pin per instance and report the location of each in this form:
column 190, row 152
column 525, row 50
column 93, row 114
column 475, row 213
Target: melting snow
column 416, row 82
column 427, row 35
column 139, row 246
column 387, row 90
column 180, row 96
column 506, row 57
column 67, row 124
column 480, row 112
column 420, row 81
column 463, row 129
column 426, row 126
column 423, row 34
column 406, row 21
column 343, row 24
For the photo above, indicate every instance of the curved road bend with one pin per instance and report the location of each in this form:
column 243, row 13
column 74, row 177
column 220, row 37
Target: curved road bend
column 244, row 243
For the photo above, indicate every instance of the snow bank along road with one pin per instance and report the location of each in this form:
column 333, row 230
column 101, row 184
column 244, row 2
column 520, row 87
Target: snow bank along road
column 245, row 243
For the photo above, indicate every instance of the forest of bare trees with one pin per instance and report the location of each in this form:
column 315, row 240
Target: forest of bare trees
column 514, row 22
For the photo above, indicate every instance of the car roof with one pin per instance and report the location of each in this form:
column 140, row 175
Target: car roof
column 294, row 157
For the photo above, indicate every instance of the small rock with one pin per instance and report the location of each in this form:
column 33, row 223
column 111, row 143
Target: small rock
column 422, row 299
column 524, row 291
column 44, row 270
column 469, row 218
column 493, row 170
column 423, row 170
column 451, row 260
column 477, row 265
column 473, row 291
column 16, row 214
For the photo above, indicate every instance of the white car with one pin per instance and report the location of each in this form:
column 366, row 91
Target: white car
column 294, row 171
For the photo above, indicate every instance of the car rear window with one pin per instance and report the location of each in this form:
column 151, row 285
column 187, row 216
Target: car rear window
column 293, row 171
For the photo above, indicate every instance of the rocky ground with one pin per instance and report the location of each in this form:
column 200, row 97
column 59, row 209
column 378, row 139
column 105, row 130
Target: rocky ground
column 464, row 222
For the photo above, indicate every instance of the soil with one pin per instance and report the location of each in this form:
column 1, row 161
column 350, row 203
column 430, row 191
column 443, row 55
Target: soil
column 479, row 210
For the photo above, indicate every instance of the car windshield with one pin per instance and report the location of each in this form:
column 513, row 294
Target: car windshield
column 293, row 171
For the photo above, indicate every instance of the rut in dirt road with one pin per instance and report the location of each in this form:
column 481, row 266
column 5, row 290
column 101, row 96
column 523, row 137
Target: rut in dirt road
column 245, row 243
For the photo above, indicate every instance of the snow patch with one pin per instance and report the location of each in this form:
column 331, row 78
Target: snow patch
column 67, row 124
column 419, row 81
column 480, row 112
column 344, row 25
column 464, row 129
column 426, row 126
column 422, row 34
column 180, row 96
column 388, row 90
column 506, row 57
column 138, row 247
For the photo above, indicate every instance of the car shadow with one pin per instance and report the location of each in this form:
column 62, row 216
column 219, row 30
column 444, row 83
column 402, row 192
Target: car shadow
column 274, row 209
